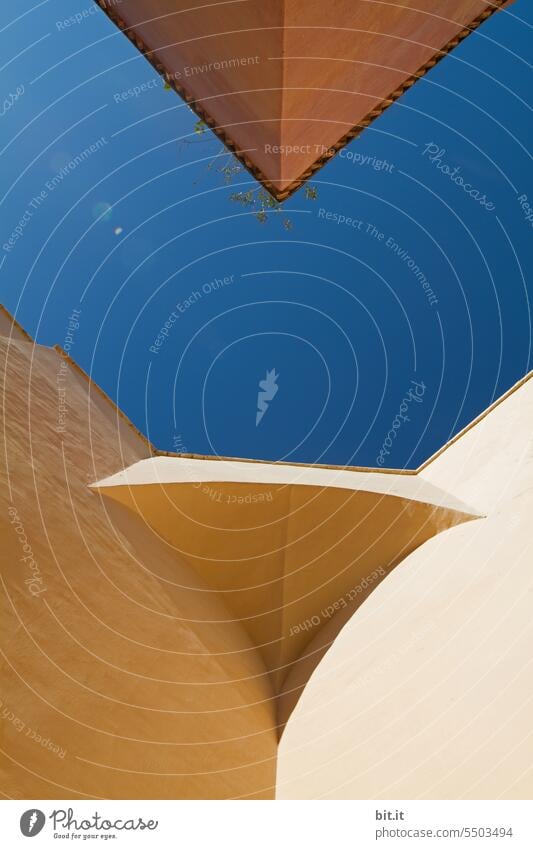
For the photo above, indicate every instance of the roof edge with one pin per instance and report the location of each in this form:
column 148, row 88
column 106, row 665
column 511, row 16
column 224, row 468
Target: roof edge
column 93, row 385
column 148, row 53
column 478, row 419
column 16, row 324
column 336, row 468
column 155, row 452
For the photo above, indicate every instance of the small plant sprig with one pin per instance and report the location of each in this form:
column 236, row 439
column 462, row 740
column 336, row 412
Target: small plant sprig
column 262, row 204
column 311, row 192
column 258, row 201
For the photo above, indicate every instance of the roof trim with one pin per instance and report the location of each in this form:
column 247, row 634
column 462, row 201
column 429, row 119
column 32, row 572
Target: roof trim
column 15, row 323
column 93, row 385
column 514, row 388
column 383, row 471
column 371, row 116
column 155, row 452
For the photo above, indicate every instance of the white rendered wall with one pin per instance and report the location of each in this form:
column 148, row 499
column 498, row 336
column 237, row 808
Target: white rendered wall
column 493, row 460
column 428, row 690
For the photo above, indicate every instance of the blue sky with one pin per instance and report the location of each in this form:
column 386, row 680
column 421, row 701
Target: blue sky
column 143, row 229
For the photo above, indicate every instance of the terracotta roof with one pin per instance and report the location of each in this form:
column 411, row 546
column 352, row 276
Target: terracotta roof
column 287, row 85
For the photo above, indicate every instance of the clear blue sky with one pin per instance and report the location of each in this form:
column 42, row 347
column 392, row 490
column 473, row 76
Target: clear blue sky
column 336, row 310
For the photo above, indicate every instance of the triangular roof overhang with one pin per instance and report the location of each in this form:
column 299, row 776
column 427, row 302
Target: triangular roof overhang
column 286, row 85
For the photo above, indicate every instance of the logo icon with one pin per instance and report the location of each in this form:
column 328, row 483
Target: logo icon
column 32, row 822
column 267, row 390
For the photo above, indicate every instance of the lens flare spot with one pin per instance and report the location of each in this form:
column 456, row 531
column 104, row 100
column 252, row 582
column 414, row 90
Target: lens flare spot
column 102, row 211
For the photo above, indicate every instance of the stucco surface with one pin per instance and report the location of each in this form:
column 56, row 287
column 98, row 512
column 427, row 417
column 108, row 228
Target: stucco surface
column 151, row 611
column 167, row 470
column 9, row 327
column 113, row 651
column 427, row 692
column 288, row 547
column 493, row 460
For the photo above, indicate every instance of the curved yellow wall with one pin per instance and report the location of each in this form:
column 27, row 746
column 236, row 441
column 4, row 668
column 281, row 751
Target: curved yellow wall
column 122, row 674
column 132, row 664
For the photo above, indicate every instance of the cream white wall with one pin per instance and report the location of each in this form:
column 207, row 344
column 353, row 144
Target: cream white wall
column 165, row 470
column 492, row 460
column 428, row 690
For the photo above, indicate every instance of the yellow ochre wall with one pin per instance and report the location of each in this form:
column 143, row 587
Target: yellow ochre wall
column 131, row 663
column 122, row 675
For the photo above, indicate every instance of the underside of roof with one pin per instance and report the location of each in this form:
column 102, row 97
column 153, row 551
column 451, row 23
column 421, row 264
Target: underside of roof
column 287, row 84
